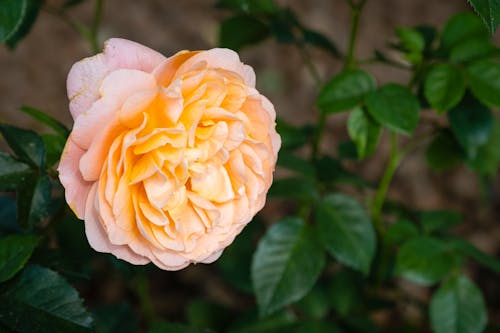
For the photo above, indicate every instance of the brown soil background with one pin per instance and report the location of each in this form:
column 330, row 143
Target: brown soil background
column 35, row 73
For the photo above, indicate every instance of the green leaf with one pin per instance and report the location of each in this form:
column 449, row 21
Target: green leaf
column 33, row 200
column 439, row 220
column 54, row 145
column 458, row 307
column 471, row 123
column 44, row 118
column 346, row 231
column 472, row 251
column 344, row 293
column 411, row 39
column 364, row 131
column 489, row 11
column 280, row 322
column 8, row 223
column 249, row 6
column 41, row 301
column 315, row 326
column 12, row 172
column 292, row 137
column 289, row 161
column 461, row 27
column 119, row 318
column 287, row 263
column 300, row 189
column 473, row 49
column 321, row 41
column 484, row 81
column 242, row 30
column 400, row 232
column 315, row 304
column 235, row 262
column 345, row 90
column 27, row 145
column 163, row 327
column 444, row 152
column 205, row 314
column 16, row 19
column 444, row 86
column 15, row 251
column 423, row 260
column 395, row 107
column 487, row 160
column 330, row 171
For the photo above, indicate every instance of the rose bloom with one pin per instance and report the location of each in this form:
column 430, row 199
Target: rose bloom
column 169, row 158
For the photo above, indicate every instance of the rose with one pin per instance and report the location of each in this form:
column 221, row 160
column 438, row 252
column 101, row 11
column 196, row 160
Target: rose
column 169, row 158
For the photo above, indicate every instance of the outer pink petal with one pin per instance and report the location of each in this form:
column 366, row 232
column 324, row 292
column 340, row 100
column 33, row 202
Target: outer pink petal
column 77, row 189
column 98, row 239
column 85, row 77
column 222, row 58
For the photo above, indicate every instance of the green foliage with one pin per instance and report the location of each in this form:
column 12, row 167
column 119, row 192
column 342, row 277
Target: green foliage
column 489, row 11
column 39, row 300
column 44, row 118
column 33, row 199
column 27, row 145
column 286, row 264
column 444, row 152
column 345, row 91
column 346, row 231
column 444, row 86
column 364, row 131
column 16, row 19
column 12, row 172
column 484, row 80
column 241, row 30
column 395, row 107
column 15, row 251
column 424, row 260
column 118, row 318
column 458, row 307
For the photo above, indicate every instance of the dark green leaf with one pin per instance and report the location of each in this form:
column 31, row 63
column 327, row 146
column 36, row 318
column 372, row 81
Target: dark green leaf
column 331, row 171
column 205, row 314
column 163, row 327
column 14, row 253
column 444, row 152
column 364, row 131
column 292, row 162
column 236, row 260
column 118, row 318
column 470, row 250
column 345, row 91
column 316, row 327
column 280, row 322
column 458, row 307
column 284, row 25
column 484, row 81
column 347, row 150
column 286, row 265
column 300, row 189
column 8, row 224
column 16, row 19
column 344, row 293
column 487, row 159
column 315, row 304
column 41, row 301
column 249, row 6
column 489, row 11
column 321, row 41
column 27, row 145
column 54, row 145
column 473, row 49
column 429, row 34
column 33, row 199
column 72, row 3
column 461, row 27
column 292, row 137
column 439, row 220
column 242, row 30
column 12, row 172
column 411, row 39
column 346, row 231
column 400, row 232
column 444, row 86
column 44, row 118
column 471, row 123
column 395, row 107
column 423, row 260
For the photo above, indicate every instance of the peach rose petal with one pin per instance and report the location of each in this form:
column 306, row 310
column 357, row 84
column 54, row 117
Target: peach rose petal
column 169, row 158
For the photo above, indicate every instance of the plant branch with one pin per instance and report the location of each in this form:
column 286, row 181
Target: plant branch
column 94, row 30
column 356, row 9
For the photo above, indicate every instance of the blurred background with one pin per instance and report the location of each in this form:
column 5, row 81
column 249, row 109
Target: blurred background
column 35, row 73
